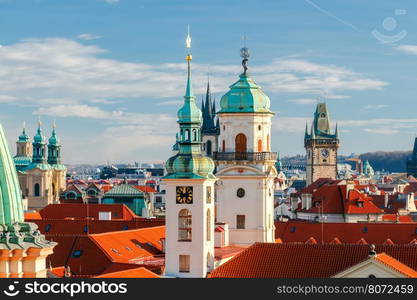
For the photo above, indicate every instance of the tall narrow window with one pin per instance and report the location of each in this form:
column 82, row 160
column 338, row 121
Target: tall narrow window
column 184, row 263
column 194, row 135
column 187, row 135
column 184, row 225
column 240, row 143
column 224, row 146
column 240, row 221
column 208, row 147
column 208, row 225
column 37, row 190
column 260, row 146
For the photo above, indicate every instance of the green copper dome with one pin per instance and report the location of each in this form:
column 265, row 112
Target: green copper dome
column 39, row 137
column 54, row 140
column 23, row 138
column 245, row 96
column 189, row 162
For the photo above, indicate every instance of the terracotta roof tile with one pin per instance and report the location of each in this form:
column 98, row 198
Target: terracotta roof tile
column 270, row 260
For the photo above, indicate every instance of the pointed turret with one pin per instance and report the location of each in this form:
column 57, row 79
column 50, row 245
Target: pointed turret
column 278, row 164
column 336, row 132
column 39, row 146
column 306, row 135
column 54, row 150
column 412, row 161
column 208, row 114
column 23, row 138
column 313, row 132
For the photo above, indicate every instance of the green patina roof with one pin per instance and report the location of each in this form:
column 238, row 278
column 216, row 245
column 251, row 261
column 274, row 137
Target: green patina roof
column 22, row 160
column 39, row 137
column 189, row 162
column 320, row 128
column 59, row 167
column 124, row 190
column 40, row 166
column 11, row 209
column 54, row 140
column 245, row 96
column 23, row 138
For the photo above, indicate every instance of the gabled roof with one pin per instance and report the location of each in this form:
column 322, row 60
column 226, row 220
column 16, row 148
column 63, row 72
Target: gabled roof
column 373, row 233
column 146, row 188
column 140, row 272
column 269, row 260
column 124, row 190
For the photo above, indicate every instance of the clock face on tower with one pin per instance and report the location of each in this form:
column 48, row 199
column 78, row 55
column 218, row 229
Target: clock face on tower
column 325, row 153
column 184, row 194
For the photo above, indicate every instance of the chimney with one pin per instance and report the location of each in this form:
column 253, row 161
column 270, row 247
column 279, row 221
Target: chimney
column 386, row 200
column 372, row 252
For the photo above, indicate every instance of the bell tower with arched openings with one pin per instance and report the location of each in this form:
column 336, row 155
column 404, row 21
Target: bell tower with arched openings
column 245, row 163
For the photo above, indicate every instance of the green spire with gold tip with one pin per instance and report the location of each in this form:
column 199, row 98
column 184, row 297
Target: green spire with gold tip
column 23, row 138
column 189, row 162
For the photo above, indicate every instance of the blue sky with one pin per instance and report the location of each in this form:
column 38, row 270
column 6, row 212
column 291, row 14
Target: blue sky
column 112, row 73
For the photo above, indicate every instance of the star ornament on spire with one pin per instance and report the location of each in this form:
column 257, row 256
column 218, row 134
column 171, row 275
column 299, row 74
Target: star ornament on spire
column 244, row 53
column 188, row 44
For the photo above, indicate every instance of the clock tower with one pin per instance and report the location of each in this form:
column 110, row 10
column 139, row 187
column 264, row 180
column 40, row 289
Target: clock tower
column 189, row 244
column 321, row 147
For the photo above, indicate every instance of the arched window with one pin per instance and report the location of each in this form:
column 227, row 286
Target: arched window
column 37, row 190
column 208, row 227
column 240, row 143
column 187, row 135
column 224, row 146
column 260, row 146
column 194, row 135
column 71, row 195
column 208, row 147
column 184, row 225
column 53, row 189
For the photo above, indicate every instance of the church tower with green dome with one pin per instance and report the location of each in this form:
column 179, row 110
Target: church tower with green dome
column 23, row 156
column 54, row 160
column 189, row 246
column 245, row 163
column 23, row 250
column 42, row 175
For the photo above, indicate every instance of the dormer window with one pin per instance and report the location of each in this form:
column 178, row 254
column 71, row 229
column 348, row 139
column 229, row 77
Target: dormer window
column 359, row 203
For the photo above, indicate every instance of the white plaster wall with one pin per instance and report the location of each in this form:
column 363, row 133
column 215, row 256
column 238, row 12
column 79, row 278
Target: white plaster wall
column 233, row 124
column 199, row 247
column 257, row 205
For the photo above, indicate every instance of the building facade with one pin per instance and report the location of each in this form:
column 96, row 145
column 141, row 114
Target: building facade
column 321, row 145
column 245, row 163
column 23, row 250
column 42, row 175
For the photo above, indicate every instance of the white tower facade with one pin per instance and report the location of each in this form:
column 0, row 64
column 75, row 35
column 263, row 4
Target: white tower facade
column 245, row 163
column 189, row 244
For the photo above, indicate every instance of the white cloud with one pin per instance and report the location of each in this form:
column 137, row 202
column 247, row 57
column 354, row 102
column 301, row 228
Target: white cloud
column 377, row 106
column 384, row 131
column 88, row 36
column 410, row 49
column 111, row 1
column 38, row 71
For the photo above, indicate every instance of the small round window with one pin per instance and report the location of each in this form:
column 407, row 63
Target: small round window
column 240, row 193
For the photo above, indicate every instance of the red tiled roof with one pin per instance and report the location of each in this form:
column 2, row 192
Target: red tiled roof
column 225, row 252
column 81, row 211
column 269, row 260
column 396, row 265
column 373, row 233
column 140, row 272
column 145, row 189
column 33, row 215
column 396, row 218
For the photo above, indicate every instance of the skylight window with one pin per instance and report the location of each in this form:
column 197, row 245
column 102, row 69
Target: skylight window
column 77, row 253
